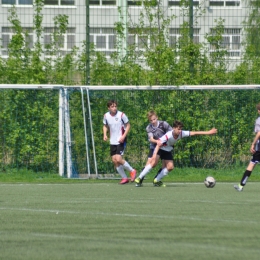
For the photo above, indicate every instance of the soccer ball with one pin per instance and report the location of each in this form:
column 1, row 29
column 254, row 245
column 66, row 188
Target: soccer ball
column 209, row 182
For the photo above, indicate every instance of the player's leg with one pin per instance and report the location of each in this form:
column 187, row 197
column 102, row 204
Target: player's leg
column 158, row 172
column 124, row 164
column 248, row 171
column 139, row 180
column 148, row 167
column 168, row 160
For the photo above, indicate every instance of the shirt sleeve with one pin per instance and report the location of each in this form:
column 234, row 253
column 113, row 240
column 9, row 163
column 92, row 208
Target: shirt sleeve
column 185, row 134
column 165, row 138
column 104, row 120
column 257, row 125
column 124, row 118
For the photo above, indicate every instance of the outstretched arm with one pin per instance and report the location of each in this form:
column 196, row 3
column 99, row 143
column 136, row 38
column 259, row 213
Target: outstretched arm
column 210, row 132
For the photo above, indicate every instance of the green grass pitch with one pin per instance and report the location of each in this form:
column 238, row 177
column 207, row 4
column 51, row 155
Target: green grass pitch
column 104, row 220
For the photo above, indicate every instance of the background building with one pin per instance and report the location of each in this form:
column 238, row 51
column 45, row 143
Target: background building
column 104, row 14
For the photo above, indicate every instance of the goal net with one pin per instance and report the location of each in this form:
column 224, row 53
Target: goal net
column 58, row 129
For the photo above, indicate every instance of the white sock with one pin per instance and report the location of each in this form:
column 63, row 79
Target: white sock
column 163, row 173
column 127, row 166
column 120, row 170
column 146, row 169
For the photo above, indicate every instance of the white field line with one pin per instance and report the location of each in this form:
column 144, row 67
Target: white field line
column 181, row 217
column 130, row 184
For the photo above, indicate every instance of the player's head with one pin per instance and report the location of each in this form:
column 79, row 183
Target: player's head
column 258, row 107
column 112, row 106
column 111, row 103
column 177, row 124
column 152, row 117
column 177, row 127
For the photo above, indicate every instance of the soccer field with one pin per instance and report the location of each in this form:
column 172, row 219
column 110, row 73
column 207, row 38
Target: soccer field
column 111, row 221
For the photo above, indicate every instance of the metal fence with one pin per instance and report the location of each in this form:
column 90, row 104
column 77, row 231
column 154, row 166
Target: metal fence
column 98, row 22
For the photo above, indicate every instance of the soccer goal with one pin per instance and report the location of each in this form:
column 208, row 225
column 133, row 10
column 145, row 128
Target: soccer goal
column 56, row 128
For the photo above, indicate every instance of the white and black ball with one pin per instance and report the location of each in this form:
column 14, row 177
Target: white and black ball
column 210, row 182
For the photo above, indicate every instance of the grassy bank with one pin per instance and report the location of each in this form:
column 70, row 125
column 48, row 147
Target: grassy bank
column 177, row 175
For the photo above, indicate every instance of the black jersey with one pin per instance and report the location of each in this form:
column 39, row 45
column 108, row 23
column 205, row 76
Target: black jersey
column 157, row 131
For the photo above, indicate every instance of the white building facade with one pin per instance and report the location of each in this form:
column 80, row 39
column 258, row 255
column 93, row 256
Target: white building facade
column 103, row 14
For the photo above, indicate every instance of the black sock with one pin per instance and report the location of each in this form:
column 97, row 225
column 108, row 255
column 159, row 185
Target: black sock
column 141, row 180
column 245, row 177
column 157, row 173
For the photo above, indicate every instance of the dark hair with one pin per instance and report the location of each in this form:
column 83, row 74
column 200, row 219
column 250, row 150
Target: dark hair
column 258, row 106
column 177, row 123
column 111, row 102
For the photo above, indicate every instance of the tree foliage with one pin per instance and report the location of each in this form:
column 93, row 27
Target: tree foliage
column 29, row 120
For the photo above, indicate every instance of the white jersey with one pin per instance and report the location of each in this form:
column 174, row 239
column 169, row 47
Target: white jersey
column 116, row 125
column 168, row 139
column 257, row 129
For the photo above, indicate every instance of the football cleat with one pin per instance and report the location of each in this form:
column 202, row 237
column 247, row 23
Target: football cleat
column 158, row 183
column 238, row 187
column 124, row 181
column 133, row 175
column 137, row 180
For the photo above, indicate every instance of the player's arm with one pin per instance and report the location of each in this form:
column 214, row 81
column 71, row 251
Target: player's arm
column 127, row 129
column 159, row 143
column 210, row 132
column 105, row 129
column 152, row 140
column 252, row 148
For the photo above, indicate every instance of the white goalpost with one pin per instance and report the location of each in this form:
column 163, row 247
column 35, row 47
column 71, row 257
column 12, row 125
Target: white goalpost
column 66, row 165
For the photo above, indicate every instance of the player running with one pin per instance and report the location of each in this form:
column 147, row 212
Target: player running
column 255, row 150
column 155, row 130
column 164, row 149
column 118, row 125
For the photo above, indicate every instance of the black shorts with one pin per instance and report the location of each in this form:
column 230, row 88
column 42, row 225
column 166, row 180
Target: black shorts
column 256, row 157
column 165, row 155
column 150, row 154
column 117, row 149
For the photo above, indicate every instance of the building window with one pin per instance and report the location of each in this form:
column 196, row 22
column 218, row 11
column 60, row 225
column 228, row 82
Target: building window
column 175, row 34
column 102, row 2
column 134, row 3
column 17, row 2
column 64, row 43
column 231, row 41
column 7, row 34
column 178, row 2
column 104, row 40
column 59, row 2
column 142, row 39
column 224, row 3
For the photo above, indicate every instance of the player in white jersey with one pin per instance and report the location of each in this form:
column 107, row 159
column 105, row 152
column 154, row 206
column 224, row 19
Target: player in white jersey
column 255, row 150
column 117, row 123
column 155, row 130
column 164, row 149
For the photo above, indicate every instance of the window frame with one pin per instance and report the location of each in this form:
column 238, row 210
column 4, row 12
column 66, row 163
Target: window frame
column 228, row 34
column 71, row 31
column 96, row 32
column 10, row 32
